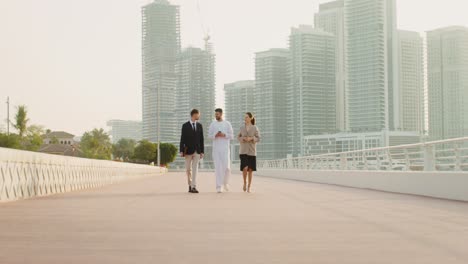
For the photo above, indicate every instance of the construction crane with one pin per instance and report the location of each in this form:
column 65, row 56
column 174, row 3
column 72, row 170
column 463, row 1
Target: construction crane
column 206, row 32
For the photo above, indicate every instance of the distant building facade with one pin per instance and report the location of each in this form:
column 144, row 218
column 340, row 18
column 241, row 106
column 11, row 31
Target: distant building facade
column 59, row 137
column 125, row 129
column 196, row 86
column 61, row 143
column 447, row 55
column 312, row 91
column 330, row 18
column 239, row 99
column 270, row 109
column 196, row 89
column 160, row 49
column 371, row 65
column 411, row 76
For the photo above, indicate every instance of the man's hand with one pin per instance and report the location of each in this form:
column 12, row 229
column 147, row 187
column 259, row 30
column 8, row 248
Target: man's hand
column 202, row 155
column 182, row 154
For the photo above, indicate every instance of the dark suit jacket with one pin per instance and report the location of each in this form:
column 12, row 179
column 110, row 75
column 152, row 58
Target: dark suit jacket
column 194, row 141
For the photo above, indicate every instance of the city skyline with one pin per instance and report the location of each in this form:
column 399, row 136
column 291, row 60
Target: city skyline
column 57, row 65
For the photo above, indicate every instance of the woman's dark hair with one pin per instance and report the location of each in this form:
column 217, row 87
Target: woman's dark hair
column 194, row 111
column 252, row 118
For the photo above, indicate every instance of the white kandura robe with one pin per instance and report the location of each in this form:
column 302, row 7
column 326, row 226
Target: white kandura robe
column 221, row 151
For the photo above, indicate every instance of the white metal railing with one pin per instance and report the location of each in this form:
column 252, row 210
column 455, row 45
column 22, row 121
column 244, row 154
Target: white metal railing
column 25, row 174
column 443, row 155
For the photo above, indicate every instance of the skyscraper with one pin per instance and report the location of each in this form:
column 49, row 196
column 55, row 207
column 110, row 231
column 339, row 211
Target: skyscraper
column 330, row 18
column 371, row 65
column 411, row 74
column 312, row 95
column 196, row 89
column 196, row 85
column 160, row 48
column 239, row 99
column 271, row 82
column 447, row 54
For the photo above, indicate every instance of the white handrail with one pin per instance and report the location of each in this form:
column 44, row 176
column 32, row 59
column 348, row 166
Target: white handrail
column 25, row 174
column 441, row 155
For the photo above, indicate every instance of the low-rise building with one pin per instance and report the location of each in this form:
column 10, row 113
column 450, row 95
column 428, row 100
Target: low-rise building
column 59, row 137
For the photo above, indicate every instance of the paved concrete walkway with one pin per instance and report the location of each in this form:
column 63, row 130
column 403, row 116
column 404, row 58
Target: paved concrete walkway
column 154, row 220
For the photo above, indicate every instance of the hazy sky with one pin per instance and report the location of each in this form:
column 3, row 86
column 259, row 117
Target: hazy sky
column 77, row 63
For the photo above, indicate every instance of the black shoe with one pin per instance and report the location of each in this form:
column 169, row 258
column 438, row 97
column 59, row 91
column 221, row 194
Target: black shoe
column 190, row 189
column 194, row 190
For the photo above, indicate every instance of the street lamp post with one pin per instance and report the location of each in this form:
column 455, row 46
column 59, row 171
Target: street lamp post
column 158, row 128
column 8, row 115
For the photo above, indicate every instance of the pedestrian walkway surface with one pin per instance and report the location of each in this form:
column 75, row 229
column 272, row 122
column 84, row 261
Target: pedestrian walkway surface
column 155, row 220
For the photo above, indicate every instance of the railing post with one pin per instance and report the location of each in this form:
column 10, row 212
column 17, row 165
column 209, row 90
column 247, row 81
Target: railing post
column 390, row 160
column 377, row 160
column 457, row 157
column 407, row 160
column 343, row 161
column 364, row 157
column 429, row 158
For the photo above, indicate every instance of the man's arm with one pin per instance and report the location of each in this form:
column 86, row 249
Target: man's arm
column 202, row 140
column 212, row 131
column 230, row 132
column 182, row 141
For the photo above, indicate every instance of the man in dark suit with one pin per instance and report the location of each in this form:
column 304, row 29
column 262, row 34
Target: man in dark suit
column 192, row 147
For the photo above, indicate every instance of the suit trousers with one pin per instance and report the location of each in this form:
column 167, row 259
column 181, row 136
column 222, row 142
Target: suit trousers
column 191, row 167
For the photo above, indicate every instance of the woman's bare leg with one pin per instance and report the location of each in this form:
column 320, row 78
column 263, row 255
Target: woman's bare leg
column 244, row 175
column 250, row 178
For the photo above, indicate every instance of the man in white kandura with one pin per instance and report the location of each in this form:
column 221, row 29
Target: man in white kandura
column 221, row 133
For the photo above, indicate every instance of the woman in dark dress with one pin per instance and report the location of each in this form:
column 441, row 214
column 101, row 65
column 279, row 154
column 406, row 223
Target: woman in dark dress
column 248, row 137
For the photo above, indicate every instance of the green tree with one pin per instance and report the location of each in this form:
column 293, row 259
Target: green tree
column 33, row 139
column 168, row 153
column 145, row 151
column 124, row 148
column 21, row 120
column 96, row 144
column 10, row 141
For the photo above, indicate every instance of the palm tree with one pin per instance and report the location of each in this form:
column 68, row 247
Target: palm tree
column 96, row 144
column 21, row 120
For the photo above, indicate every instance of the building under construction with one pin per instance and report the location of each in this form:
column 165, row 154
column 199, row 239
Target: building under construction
column 196, row 88
column 160, row 50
